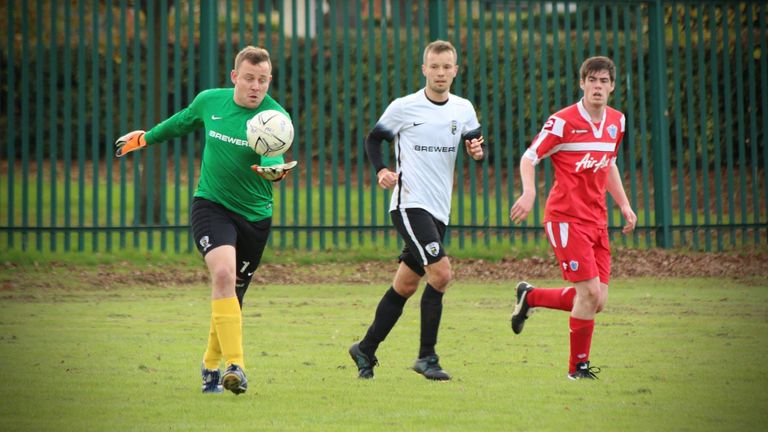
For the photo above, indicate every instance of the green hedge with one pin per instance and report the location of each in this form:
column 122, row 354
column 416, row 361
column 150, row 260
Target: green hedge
column 538, row 85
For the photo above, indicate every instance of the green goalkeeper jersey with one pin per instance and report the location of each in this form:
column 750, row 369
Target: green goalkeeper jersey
column 225, row 174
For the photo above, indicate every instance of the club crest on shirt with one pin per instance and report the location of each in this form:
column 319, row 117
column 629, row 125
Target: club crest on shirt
column 454, row 126
column 433, row 248
column 574, row 265
column 205, row 243
column 612, row 131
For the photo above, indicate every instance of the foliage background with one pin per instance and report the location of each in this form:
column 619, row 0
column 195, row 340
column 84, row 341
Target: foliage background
column 532, row 43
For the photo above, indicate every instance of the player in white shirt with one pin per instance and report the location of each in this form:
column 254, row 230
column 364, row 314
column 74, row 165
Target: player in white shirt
column 428, row 129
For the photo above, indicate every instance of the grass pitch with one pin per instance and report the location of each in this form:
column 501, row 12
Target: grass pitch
column 676, row 354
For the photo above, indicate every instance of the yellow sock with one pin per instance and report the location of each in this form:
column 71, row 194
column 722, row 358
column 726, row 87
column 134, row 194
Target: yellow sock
column 229, row 327
column 212, row 356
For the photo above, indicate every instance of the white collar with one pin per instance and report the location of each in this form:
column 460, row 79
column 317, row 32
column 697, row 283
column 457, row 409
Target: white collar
column 596, row 131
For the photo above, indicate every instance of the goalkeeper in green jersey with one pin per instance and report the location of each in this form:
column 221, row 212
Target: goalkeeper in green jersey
column 231, row 212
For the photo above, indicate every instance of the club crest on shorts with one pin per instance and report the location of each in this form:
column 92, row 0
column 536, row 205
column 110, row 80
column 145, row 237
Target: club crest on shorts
column 454, row 126
column 612, row 131
column 205, row 243
column 574, row 265
column 433, row 248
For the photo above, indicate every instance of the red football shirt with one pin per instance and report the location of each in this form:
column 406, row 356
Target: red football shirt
column 581, row 152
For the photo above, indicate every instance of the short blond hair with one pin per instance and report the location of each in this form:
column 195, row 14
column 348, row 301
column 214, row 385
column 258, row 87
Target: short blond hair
column 253, row 55
column 438, row 47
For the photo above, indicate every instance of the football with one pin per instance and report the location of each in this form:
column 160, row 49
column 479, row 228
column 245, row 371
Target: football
column 270, row 133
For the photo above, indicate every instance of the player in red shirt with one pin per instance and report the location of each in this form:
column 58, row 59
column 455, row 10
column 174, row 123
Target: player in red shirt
column 582, row 141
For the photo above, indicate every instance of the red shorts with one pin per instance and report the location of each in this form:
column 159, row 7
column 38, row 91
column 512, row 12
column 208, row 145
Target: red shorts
column 583, row 251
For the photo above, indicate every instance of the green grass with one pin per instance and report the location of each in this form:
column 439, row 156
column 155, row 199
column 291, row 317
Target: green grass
column 677, row 354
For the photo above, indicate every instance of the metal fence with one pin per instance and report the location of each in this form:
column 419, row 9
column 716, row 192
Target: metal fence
column 692, row 79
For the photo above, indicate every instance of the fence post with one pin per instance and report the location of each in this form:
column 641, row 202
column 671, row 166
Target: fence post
column 209, row 50
column 659, row 126
column 438, row 20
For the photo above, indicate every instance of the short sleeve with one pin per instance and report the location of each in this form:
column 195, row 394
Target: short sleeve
column 392, row 119
column 546, row 141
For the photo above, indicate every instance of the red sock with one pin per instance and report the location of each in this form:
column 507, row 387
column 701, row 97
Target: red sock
column 552, row 298
column 581, row 340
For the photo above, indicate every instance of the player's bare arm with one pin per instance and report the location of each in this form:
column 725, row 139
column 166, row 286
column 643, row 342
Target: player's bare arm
column 520, row 209
column 616, row 189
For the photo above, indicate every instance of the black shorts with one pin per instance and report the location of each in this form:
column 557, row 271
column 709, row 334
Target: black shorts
column 214, row 225
column 423, row 236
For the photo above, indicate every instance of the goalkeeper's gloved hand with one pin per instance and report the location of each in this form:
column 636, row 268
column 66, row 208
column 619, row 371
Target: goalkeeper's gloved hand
column 274, row 173
column 130, row 142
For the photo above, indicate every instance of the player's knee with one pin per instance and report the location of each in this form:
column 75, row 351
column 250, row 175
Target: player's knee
column 440, row 279
column 223, row 277
column 590, row 299
column 602, row 302
column 600, row 307
column 405, row 290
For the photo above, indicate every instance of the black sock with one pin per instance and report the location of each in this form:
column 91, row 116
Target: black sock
column 431, row 311
column 387, row 313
